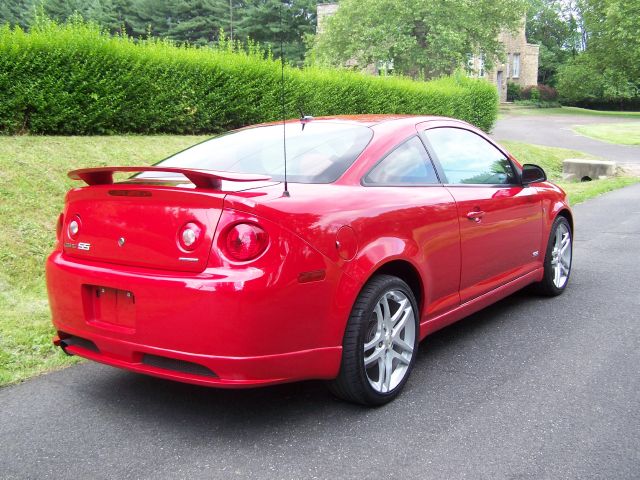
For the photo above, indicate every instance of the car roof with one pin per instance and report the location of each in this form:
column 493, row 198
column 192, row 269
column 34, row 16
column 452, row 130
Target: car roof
column 368, row 120
column 375, row 119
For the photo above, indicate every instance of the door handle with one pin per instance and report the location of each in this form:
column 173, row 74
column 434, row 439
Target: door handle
column 475, row 215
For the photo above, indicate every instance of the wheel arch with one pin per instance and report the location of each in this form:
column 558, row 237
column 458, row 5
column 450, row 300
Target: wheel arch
column 568, row 215
column 406, row 272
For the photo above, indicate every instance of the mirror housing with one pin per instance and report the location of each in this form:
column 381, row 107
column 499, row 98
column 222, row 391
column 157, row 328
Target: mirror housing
column 532, row 174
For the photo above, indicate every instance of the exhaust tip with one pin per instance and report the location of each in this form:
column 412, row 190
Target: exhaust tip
column 66, row 341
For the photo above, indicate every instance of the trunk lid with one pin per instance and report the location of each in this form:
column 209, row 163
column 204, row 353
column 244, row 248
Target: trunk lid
column 139, row 225
column 138, row 222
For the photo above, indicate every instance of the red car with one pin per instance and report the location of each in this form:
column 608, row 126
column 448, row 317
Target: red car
column 206, row 269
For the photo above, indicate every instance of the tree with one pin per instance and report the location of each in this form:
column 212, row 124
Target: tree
column 420, row 37
column 612, row 33
column 193, row 21
column 610, row 64
column 555, row 26
column 260, row 21
column 17, row 12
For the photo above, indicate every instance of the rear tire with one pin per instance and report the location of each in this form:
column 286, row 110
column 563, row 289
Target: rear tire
column 557, row 260
column 380, row 343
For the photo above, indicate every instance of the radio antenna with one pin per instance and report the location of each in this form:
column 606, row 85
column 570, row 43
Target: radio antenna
column 284, row 111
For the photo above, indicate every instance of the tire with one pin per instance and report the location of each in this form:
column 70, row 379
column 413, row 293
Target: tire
column 382, row 330
column 557, row 259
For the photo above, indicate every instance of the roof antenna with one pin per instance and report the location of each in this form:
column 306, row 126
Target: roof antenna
column 303, row 118
column 284, row 111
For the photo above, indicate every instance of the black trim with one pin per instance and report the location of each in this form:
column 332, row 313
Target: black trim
column 73, row 341
column 173, row 364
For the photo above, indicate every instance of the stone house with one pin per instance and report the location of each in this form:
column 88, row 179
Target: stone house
column 520, row 63
column 324, row 10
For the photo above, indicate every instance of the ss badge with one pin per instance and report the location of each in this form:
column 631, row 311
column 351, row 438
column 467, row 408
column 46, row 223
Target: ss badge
column 84, row 246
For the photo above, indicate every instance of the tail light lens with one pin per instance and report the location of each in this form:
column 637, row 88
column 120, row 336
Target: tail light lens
column 189, row 236
column 73, row 227
column 246, row 241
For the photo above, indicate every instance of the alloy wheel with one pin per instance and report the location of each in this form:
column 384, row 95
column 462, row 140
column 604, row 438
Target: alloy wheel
column 390, row 340
column 561, row 256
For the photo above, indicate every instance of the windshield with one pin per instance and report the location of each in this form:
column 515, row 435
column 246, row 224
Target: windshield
column 317, row 153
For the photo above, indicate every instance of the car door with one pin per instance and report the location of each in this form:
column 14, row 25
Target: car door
column 500, row 220
column 405, row 185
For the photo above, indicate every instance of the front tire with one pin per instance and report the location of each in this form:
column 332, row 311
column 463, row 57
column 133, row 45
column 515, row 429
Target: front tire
column 557, row 260
column 380, row 343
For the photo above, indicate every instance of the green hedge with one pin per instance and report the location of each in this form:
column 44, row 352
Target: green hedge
column 73, row 79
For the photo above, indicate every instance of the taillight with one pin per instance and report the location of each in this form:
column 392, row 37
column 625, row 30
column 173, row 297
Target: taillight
column 246, row 241
column 189, row 236
column 73, row 227
column 59, row 226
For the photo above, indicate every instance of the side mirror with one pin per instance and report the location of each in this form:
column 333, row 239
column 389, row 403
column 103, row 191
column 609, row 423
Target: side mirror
column 532, row 174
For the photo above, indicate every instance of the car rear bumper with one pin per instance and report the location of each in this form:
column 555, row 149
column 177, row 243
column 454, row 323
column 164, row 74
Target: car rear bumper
column 207, row 370
column 219, row 328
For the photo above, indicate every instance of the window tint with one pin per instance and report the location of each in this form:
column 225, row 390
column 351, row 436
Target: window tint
column 468, row 158
column 408, row 164
column 319, row 153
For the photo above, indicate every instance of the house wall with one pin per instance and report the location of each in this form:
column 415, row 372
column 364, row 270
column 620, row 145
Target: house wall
column 515, row 44
column 324, row 10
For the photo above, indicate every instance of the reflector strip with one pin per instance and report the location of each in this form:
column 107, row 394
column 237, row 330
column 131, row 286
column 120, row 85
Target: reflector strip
column 313, row 276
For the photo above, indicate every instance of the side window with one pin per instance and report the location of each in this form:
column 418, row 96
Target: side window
column 467, row 158
column 408, row 164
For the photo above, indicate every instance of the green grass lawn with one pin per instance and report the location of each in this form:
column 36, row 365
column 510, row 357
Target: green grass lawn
column 32, row 187
column 526, row 110
column 621, row 133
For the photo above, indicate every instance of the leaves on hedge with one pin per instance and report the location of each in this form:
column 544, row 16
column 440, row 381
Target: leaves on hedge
column 74, row 79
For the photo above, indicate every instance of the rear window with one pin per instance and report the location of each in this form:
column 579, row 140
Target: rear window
column 317, row 153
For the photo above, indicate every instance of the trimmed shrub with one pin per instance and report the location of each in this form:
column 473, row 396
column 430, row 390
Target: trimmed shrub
column 525, row 93
column 534, row 94
column 514, row 92
column 547, row 93
column 541, row 96
column 74, row 79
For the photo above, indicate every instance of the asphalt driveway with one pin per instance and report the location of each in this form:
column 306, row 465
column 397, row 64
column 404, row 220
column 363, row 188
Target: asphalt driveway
column 556, row 131
column 530, row 388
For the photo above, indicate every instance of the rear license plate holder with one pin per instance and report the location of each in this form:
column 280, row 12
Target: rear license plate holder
column 110, row 307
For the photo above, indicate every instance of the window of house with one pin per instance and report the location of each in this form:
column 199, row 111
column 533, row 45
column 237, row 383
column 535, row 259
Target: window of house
column 515, row 73
column 467, row 158
column 509, row 65
column 408, row 164
column 481, row 66
column 469, row 64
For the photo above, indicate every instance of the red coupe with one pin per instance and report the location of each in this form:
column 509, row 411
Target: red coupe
column 206, row 268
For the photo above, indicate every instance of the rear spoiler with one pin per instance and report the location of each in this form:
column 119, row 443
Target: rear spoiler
column 200, row 178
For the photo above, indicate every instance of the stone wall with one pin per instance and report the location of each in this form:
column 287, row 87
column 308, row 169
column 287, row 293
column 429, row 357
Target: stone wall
column 323, row 11
column 515, row 45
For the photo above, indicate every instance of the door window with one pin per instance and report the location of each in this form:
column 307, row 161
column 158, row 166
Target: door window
column 467, row 158
column 408, row 164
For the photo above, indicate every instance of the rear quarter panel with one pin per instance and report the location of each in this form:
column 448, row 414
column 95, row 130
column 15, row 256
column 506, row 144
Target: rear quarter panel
column 418, row 225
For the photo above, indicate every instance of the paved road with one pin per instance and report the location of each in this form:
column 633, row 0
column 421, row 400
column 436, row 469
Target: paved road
column 556, row 131
column 530, row 388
